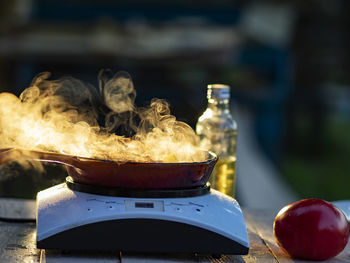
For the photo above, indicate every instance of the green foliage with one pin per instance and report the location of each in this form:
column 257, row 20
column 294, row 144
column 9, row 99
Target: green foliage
column 325, row 174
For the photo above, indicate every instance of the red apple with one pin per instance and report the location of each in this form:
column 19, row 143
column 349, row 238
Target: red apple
column 311, row 229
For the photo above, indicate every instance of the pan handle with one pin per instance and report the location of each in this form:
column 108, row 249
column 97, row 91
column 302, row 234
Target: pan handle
column 13, row 154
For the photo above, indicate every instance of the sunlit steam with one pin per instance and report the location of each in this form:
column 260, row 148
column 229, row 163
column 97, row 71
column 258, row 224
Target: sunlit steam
column 62, row 116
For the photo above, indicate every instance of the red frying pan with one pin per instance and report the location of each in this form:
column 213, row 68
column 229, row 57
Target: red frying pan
column 127, row 175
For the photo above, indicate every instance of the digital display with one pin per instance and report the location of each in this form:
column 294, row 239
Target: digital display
column 144, row 205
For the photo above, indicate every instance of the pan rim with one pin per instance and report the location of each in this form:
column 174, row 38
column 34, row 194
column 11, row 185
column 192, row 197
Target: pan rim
column 211, row 156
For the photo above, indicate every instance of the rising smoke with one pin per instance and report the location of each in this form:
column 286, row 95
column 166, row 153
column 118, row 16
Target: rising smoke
column 63, row 116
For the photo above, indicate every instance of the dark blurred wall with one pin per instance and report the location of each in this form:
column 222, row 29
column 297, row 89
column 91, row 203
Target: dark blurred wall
column 317, row 139
column 322, row 53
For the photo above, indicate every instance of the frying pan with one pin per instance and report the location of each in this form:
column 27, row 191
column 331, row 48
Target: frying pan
column 126, row 175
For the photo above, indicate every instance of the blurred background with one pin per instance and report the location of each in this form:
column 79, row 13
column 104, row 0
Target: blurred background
column 287, row 62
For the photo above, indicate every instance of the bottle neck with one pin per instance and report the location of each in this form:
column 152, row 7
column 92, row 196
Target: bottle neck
column 219, row 104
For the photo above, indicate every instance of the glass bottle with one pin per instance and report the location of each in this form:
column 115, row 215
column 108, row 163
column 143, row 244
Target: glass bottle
column 218, row 133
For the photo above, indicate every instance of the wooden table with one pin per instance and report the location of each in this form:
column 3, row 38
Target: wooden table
column 17, row 242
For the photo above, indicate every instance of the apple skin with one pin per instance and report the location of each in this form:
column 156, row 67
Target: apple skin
column 311, row 229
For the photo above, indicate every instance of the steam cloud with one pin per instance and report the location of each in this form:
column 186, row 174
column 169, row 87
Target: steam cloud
column 62, row 116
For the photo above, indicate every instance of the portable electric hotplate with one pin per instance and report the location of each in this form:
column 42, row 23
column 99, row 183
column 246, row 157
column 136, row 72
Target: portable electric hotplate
column 74, row 216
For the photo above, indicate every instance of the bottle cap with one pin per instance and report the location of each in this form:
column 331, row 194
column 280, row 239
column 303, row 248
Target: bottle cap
column 218, row 91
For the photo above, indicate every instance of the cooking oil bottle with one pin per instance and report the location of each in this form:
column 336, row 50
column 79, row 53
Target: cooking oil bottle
column 218, row 133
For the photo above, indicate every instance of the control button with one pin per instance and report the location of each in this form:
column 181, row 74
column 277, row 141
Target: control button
column 178, row 209
column 110, row 207
column 89, row 209
column 198, row 210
